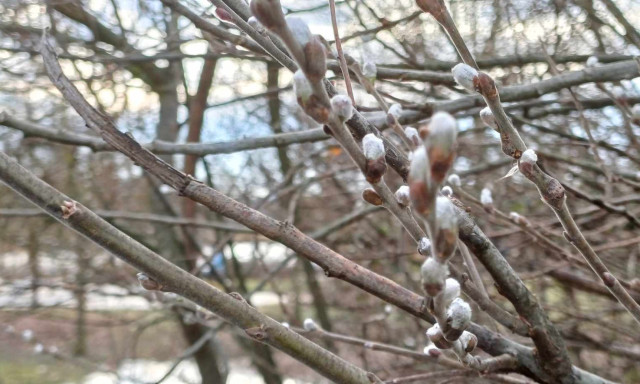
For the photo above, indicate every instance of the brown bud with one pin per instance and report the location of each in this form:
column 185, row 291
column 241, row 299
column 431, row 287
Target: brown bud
column 437, row 337
column 469, row 341
column 423, row 132
column 452, row 334
column 422, row 196
column 316, row 60
column 441, row 144
column 553, row 193
column 485, row 85
column 441, row 162
column 446, row 229
column 372, row 197
column 223, row 15
column 391, row 120
column 527, row 163
column 375, row 169
column 432, row 289
column 446, row 243
column 608, row 279
column 315, row 109
column 148, row 283
column 269, row 13
column 433, row 352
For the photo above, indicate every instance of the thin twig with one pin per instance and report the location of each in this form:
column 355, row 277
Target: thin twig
column 343, row 61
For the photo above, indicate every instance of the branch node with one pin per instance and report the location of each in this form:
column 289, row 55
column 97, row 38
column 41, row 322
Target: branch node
column 257, row 333
column 68, row 208
column 238, row 297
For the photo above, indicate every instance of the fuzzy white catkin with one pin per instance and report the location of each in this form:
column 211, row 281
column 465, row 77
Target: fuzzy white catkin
column 592, row 61
column 38, row 349
column 299, row 29
column 635, row 111
column 485, row 196
column 459, row 313
column 286, row 325
column 395, row 110
column 402, row 195
column 424, row 246
column 454, row 180
column 514, row 216
column 442, row 122
column 369, row 69
column 427, row 350
column 529, row 157
column 253, row 22
column 443, row 131
column 301, row 86
column 412, row 135
column 433, row 331
column 487, row 117
column 419, row 167
column 451, row 291
column 142, row 277
column 433, row 271
column 445, row 213
column 446, row 191
column 342, row 106
column 465, row 339
column 310, row 325
column 372, row 146
column 464, row 74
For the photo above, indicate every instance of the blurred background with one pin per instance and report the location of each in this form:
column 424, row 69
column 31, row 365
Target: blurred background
column 71, row 313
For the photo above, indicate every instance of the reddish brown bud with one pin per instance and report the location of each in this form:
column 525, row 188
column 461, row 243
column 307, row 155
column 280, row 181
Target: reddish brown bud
column 223, row 15
column 269, row 13
column 432, row 350
column 608, row 279
column 316, row 60
column 469, row 341
column 553, row 193
column 527, row 163
column 485, row 85
column 423, row 132
column 422, row 197
column 437, row 337
column 148, row 283
column 422, row 189
column 519, row 219
column 372, row 197
column 315, row 109
column 446, row 233
column 375, row 169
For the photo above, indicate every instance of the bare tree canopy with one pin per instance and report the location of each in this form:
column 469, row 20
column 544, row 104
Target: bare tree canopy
column 322, row 191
